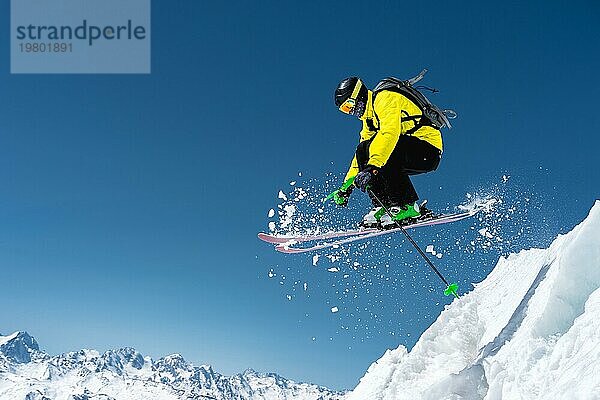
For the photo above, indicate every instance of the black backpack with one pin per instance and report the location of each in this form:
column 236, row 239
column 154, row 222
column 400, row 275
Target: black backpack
column 431, row 114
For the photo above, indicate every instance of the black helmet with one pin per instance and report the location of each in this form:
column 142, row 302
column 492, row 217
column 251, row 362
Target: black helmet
column 351, row 96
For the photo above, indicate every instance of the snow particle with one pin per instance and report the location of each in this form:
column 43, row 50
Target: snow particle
column 485, row 233
column 334, row 309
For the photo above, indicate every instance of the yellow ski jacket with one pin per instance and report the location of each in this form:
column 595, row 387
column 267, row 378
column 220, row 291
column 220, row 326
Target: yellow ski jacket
column 386, row 114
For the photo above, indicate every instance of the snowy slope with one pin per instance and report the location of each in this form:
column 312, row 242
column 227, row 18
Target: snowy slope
column 26, row 373
column 530, row 330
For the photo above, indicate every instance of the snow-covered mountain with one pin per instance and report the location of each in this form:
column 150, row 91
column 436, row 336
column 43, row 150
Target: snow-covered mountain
column 26, row 373
column 530, row 330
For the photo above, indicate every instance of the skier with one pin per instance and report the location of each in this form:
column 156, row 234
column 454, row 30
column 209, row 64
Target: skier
column 396, row 141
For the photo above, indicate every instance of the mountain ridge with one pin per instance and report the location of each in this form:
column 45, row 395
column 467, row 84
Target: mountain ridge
column 125, row 374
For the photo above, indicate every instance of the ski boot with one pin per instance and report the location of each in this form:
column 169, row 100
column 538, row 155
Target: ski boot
column 371, row 219
column 401, row 215
column 426, row 213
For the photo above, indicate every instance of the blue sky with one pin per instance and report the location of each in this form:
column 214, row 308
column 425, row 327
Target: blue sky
column 129, row 204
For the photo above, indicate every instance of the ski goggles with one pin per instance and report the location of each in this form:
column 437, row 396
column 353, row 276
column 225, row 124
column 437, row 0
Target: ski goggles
column 347, row 107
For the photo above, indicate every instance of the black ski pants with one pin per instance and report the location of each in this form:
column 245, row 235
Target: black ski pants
column 392, row 184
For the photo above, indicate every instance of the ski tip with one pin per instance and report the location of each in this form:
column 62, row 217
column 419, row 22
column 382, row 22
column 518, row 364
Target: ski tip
column 273, row 239
column 263, row 236
column 288, row 250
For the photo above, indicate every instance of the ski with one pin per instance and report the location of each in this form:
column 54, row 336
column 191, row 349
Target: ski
column 274, row 239
column 288, row 246
column 277, row 239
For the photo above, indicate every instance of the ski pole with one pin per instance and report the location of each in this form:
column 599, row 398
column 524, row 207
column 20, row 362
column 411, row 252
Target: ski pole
column 451, row 288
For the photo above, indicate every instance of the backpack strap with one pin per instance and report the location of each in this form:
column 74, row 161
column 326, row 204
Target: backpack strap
column 369, row 121
column 420, row 120
column 371, row 125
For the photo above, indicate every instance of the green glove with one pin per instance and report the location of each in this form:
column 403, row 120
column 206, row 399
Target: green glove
column 341, row 196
